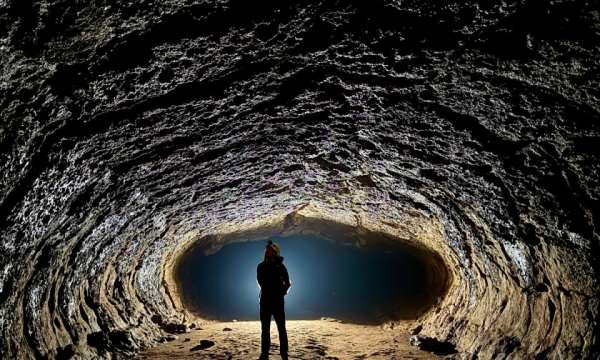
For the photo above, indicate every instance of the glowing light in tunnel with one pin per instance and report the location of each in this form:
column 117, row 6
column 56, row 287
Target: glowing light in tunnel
column 329, row 279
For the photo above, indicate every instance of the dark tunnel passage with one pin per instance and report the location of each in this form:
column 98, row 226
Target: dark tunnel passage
column 329, row 280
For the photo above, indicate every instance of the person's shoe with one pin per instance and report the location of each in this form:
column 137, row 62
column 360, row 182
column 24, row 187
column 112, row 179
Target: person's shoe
column 262, row 357
column 284, row 357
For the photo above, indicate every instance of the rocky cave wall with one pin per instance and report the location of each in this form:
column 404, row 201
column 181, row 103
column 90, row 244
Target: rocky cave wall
column 131, row 130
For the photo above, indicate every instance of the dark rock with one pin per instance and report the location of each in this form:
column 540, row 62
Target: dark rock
column 98, row 340
column 170, row 327
column 433, row 345
column 204, row 344
column 175, row 328
column 416, row 330
column 65, row 353
column 122, row 340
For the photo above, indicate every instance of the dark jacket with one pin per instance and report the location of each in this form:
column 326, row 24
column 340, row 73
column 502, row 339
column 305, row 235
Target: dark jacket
column 271, row 278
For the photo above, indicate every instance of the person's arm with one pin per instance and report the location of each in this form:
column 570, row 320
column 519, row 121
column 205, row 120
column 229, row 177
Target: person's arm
column 287, row 283
column 258, row 277
column 286, row 286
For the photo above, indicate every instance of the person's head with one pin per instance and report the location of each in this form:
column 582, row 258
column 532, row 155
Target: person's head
column 272, row 251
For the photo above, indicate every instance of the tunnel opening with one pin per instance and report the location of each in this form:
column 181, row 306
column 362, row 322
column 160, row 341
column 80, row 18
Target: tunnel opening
column 337, row 271
column 329, row 280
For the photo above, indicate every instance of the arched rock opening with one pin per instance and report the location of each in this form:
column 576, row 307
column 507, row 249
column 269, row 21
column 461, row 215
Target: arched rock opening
column 422, row 263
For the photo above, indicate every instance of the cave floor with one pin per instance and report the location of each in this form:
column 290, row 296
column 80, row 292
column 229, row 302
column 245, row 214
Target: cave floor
column 308, row 339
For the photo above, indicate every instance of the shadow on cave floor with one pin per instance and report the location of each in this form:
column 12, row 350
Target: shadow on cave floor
column 360, row 286
column 308, row 339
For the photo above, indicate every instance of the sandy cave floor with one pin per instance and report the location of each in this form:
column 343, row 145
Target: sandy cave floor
column 308, row 339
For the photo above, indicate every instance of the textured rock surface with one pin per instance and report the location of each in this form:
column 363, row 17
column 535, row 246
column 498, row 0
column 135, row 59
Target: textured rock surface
column 130, row 131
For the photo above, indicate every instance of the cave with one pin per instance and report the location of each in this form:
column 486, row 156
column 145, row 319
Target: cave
column 136, row 134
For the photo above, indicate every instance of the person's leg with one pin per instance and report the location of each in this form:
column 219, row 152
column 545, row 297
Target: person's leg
column 265, row 325
column 279, row 315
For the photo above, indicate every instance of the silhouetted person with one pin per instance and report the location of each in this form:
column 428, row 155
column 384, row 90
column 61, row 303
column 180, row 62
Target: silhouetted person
column 274, row 282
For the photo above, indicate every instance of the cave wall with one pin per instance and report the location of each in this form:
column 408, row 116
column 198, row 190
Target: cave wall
column 131, row 130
